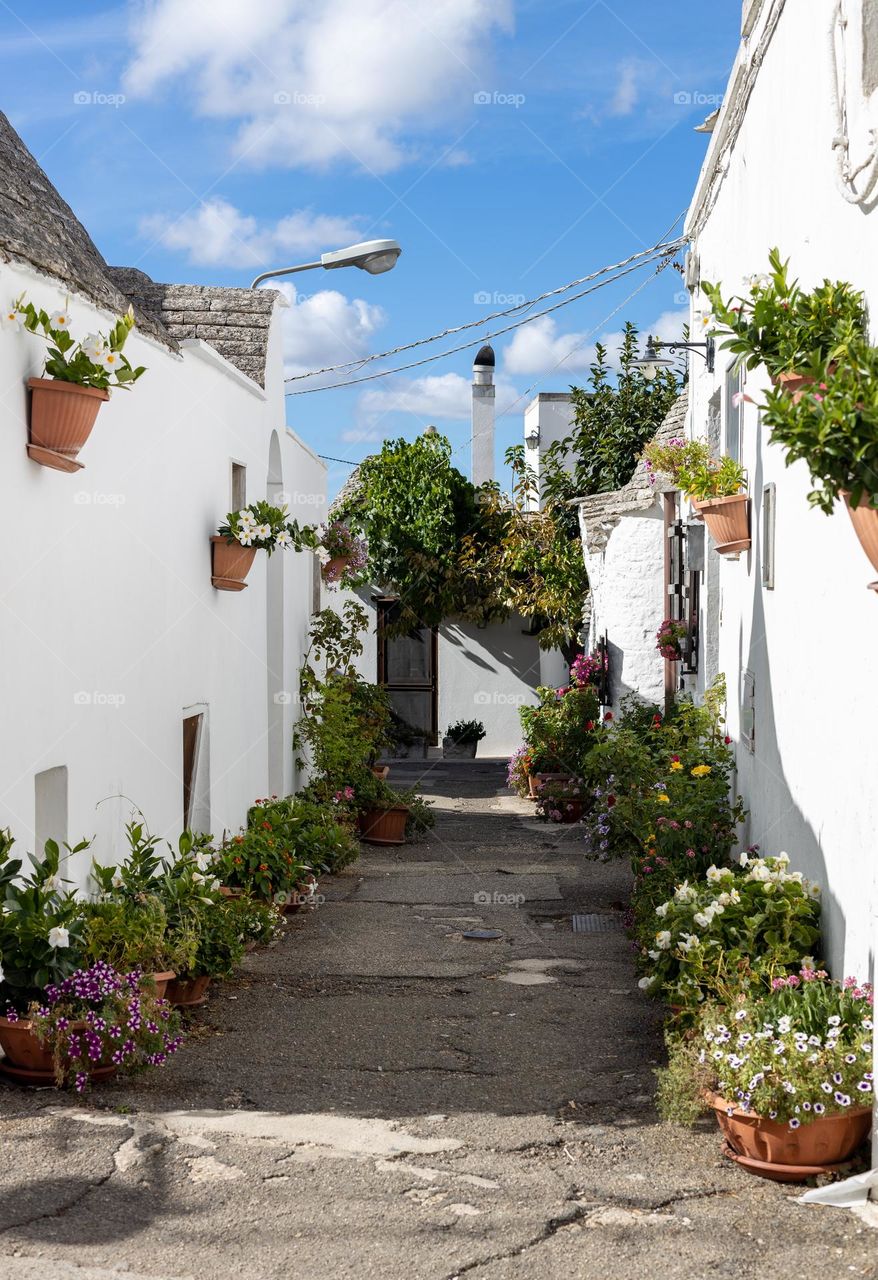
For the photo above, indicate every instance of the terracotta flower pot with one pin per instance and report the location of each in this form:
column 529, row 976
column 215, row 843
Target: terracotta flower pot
column 334, row 569
column 186, row 993
column 381, row 771
column 62, row 415
column 865, row 522
column 384, row 826
column 160, row 982
column 818, row 1143
column 794, row 384
column 231, row 893
column 728, row 520
column 230, row 564
column 29, row 1062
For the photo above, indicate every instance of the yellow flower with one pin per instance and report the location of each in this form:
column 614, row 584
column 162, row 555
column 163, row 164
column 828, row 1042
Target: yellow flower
column 675, row 765
column 701, row 770
column 663, row 799
column 650, row 839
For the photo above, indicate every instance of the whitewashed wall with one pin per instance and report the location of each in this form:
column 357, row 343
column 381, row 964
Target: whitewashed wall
column 624, row 561
column 110, row 626
column 811, row 643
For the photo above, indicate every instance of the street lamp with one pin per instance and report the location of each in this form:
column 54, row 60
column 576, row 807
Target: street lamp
column 650, row 362
column 374, row 256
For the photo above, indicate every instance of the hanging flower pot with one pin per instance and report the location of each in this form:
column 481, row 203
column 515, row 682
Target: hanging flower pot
column 342, row 552
column 230, row 564
column 79, row 378
column 774, row 1150
column 384, row 826
column 728, row 520
column 62, row 415
column 259, row 527
column 865, row 521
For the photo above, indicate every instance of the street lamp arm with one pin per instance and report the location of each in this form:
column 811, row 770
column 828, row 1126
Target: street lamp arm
column 284, row 271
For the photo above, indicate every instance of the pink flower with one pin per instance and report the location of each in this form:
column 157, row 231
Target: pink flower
column 740, row 397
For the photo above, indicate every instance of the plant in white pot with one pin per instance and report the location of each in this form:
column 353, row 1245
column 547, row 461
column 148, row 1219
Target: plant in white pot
column 462, row 739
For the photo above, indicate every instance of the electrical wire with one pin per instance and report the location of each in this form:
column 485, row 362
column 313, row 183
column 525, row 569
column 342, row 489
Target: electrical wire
column 661, row 249
column 441, row 355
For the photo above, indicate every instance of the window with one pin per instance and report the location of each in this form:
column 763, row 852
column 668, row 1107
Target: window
column 734, row 415
column 769, row 497
column 238, row 486
column 196, row 773
column 50, row 806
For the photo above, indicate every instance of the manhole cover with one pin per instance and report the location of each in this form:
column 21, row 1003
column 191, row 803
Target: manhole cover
column 482, row 935
column 595, row 924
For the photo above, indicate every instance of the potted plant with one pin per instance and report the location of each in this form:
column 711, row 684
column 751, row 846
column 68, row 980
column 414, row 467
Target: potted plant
column 342, row 553
column 79, row 377
column 669, row 638
column 759, row 919
column 86, row 1027
column 785, row 328
column 383, row 814
column 131, row 935
column 560, row 731
column 561, row 800
column 788, row 1074
column 713, row 485
column 257, row 527
column 462, row 739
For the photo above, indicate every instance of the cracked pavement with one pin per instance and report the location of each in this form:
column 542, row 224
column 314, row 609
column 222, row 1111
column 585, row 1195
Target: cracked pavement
column 376, row 1098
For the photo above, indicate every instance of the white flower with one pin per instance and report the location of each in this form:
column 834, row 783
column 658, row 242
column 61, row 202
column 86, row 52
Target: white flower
column 284, row 538
column 59, row 937
column 60, row 320
column 2, row 974
column 684, row 893
column 744, row 859
column 724, row 899
column 245, row 535
column 688, row 941
column 783, row 858
column 117, row 881
column 246, row 516
column 93, row 346
column 663, row 939
column 735, row 896
column 662, row 911
column 714, row 874
column 263, row 531
column 784, row 1024
column 814, row 890
column 759, row 871
column 644, row 983
column 654, row 955
column 111, row 360
column 702, row 919
column 203, row 859
column 11, row 319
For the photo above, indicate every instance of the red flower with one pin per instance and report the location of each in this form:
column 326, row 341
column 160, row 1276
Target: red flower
column 589, row 724
column 608, row 715
column 656, row 719
column 266, row 826
column 675, row 759
column 611, row 800
column 727, row 740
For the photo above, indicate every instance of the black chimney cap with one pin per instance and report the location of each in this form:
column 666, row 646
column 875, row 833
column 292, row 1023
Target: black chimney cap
column 485, row 356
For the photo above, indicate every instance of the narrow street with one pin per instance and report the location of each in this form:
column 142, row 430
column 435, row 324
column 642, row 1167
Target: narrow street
column 384, row 1097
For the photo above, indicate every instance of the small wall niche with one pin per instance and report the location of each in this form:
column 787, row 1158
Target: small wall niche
column 50, row 806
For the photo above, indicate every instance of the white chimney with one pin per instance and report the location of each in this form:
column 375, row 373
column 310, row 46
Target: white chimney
column 483, row 416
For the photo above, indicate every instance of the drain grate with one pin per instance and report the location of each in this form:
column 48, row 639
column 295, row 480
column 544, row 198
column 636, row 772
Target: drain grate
column 595, row 924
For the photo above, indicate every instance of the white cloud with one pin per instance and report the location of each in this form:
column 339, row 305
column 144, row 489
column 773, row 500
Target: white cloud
column 624, row 99
column 434, row 397
column 325, row 328
column 539, row 348
column 216, row 233
column 313, row 84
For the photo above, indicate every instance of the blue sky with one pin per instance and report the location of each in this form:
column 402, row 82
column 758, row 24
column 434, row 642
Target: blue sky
column 509, row 145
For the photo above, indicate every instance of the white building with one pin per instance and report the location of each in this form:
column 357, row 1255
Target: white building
column 117, row 650
column 791, row 622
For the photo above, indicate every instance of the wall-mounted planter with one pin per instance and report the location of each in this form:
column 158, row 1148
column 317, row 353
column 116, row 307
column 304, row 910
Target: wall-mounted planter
column 795, row 384
column 728, row 520
column 865, row 522
column 230, row 564
column 334, row 569
column 62, row 415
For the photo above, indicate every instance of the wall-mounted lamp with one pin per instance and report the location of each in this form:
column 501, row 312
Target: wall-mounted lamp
column 532, row 439
column 650, row 362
